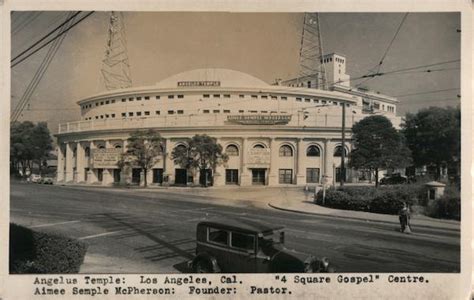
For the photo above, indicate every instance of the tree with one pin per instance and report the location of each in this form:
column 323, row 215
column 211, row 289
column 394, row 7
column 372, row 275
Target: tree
column 143, row 150
column 378, row 145
column 202, row 153
column 434, row 137
column 29, row 144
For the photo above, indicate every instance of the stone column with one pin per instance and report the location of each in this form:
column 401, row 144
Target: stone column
column 245, row 178
column 80, row 162
column 328, row 167
column 91, row 175
column 300, row 175
column 69, row 162
column 273, row 172
column 126, row 175
column 168, row 164
column 60, row 169
column 108, row 175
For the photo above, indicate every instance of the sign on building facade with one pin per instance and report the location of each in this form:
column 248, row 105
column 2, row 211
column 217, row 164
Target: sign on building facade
column 106, row 158
column 259, row 119
column 258, row 158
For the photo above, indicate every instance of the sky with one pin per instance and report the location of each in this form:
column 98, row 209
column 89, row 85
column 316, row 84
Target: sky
column 265, row 45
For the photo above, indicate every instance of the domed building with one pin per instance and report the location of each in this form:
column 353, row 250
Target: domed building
column 273, row 134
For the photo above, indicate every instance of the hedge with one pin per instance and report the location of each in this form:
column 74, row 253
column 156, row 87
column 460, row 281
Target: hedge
column 386, row 199
column 41, row 253
column 448, row 206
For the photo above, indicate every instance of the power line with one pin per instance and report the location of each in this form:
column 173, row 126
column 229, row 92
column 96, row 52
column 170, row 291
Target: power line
column 46, row 36
column 393, row 39
column 28, row 22
column 429, row 92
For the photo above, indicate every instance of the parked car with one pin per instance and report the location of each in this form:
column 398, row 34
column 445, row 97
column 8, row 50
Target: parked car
column 248, row 246
column 35, row 178
column 394, row 179
column 47, row 179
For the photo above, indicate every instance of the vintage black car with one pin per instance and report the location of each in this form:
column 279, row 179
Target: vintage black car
column 247, row 246
column 394, row 179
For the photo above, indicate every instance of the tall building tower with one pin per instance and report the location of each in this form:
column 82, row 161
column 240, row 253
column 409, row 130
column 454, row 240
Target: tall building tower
column 335, row 66
column 115, row 66
column 312, row 71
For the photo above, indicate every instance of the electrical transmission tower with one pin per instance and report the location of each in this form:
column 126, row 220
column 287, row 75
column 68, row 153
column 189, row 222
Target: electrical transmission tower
column 115, row 67
column 311, row 52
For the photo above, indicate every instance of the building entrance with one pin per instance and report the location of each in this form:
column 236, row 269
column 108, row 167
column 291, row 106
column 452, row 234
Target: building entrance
column 136, row 175
column 258, row 176
column 180, row 176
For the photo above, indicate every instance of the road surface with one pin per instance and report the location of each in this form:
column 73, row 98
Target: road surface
column 153, row 231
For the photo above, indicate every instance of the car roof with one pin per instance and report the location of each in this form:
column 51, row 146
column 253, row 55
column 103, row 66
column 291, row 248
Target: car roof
column 241, row 224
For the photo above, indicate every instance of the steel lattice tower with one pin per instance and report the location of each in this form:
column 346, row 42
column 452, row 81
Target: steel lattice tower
column 311, row 52
column 115, row 66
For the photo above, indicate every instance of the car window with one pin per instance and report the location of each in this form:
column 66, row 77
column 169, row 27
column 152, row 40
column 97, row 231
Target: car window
column 218, row 236
column 242, row 241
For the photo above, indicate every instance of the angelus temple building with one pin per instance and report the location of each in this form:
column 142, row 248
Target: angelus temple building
column 288, row 133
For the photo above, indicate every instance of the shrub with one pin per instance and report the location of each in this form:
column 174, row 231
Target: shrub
column 37, row 252
column 448, row 206
column 386, row 199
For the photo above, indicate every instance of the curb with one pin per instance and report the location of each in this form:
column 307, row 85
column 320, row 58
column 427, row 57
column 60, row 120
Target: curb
column 352, row 218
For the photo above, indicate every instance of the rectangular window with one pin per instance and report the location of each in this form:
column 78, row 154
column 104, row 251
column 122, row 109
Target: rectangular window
column 285, row 176
column 217, row 236
column 312, row 175
column 124, row 115
column 376, row 105
column 206, row 111
column 338, row 174
column 323, row 101
column 241, row 96
column 157, row 97
column 205, row 96
column 113, row 101
column 254, row 96
column 226, row 96
column 216, row 95
column 130, row 114
column 264, row 112
column 170, row 112
column 123, row 99
column 170, row 96
column 307, row 100
column 242, row 241
column 106, row 116
column 139, row 98
column 157, row 175
column 157, row 112
column 298, row 99
column 147, row 113
column 231, row 176
column 180, row 96
column 216, row 111
column 264, row 97
column 107, row 102
column 180, row 112
column 101, row 102
column 315, row 100
column 113, row 115
column 130, row 99
column 96, row 117
column 253, row 111
column 274, row 97
column 284, row 98
column 139, row 113
column 147, row 97
column 241, row 111
column 101, row 116
column 226, row 111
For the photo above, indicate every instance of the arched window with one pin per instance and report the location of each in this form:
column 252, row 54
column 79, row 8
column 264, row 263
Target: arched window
column 87, row 152
column 286, row 150
column 181, row 147
column 338, row 151
column 232, row 150
column 74, row 152
column 259, row 146
column 101, row 147
column 118, row 146
column 313, row 151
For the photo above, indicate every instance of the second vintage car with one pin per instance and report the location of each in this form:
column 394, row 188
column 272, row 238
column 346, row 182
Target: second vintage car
column 247, row 246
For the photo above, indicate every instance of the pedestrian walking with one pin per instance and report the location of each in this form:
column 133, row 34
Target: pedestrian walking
column 404, row 217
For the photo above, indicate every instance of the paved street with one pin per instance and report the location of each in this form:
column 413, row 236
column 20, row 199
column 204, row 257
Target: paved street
column 153, row 231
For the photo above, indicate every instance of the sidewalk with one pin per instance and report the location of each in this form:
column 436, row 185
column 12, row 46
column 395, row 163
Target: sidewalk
column 306, row 206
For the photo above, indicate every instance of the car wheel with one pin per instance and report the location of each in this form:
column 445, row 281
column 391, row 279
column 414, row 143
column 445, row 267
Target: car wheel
column 202, row 266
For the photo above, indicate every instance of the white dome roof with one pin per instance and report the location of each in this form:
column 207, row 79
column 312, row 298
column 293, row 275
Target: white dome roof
column 226, row 77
